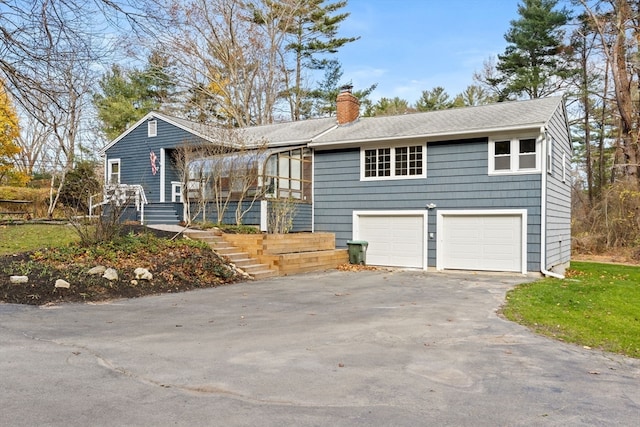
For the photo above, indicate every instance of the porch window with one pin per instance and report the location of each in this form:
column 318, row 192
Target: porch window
column 514, row 155
column 113, row 171
column 288, row 174
column 393, row 162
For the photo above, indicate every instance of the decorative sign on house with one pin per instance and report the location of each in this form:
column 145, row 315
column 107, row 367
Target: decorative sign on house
column 154, row 166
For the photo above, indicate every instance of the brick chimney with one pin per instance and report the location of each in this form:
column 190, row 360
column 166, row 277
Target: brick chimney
column 347, row 106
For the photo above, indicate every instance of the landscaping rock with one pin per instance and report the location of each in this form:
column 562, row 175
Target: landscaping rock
column 99, row 269
column 110, row 274
column 18, row 279
column 142, row 274
column 62, row 284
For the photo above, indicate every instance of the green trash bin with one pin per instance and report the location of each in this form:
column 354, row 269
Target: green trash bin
column 357, row 251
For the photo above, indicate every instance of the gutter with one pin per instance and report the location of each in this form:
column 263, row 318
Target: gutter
column 543, row 212
column 428, row 136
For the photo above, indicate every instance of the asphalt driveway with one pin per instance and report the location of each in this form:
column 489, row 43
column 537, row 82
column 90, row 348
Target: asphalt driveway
column 373, row 348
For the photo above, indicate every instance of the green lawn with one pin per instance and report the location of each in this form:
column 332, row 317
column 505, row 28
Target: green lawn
column 28, row 237
column 597, row 305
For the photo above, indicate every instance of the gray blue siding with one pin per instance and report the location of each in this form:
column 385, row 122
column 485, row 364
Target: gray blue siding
column 133, row 151
column 457, row 178
column 302, row 221
column 558, row 197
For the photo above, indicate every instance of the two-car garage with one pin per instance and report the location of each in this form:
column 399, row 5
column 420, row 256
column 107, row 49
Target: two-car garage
column 491, row 240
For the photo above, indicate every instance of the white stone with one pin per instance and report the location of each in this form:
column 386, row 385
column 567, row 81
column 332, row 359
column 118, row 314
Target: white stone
column 134, row 282
column 142, row 274
column 62, row 284
column 19, row 279
column 98, row 269
column 110, row 274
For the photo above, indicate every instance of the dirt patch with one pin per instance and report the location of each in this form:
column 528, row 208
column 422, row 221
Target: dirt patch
column 176, row 266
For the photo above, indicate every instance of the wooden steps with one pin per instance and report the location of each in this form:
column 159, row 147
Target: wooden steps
column 292, row 253
column 278, row 254
column 240, row 259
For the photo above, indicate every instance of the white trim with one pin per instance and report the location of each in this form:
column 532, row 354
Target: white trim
column 476, row 212
column 543, row 230
column 435, row 136
column 425, row 221
column 110, row 163
column 393, row 148
column 162, row 177
column 176, row 194
column 514, row 155
column 264, row 215
column 549, row 154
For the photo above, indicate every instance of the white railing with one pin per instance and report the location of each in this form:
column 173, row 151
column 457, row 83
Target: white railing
column 121, row 194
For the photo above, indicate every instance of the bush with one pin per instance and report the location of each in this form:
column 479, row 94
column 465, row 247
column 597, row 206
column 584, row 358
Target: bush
column 614, row 222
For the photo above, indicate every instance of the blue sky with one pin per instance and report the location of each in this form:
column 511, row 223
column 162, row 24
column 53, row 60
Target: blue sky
column 407, row 46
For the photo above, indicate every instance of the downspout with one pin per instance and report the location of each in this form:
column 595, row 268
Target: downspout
column 543, row 212
column 313, row 190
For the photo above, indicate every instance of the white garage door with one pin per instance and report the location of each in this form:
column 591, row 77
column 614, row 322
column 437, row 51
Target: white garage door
column 394, row 240
column 481, row 242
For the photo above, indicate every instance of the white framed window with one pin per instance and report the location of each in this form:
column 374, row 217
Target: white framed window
column 401, row 162
column 550, row 155
column 176, row 191
column 113, row 171
column 514, row 155
column 288, row 174
column 564, row 167
column 152, row 128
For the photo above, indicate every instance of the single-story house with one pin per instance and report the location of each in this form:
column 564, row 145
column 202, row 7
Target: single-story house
column 475, row 188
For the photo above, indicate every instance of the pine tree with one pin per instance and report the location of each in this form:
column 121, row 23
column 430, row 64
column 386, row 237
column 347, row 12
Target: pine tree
column 536, row 61
column 325, row 95
column 434, row 99
column 128, row 95
column 311, row 27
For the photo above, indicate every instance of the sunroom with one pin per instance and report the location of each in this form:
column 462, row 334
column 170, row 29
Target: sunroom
column 270, row 188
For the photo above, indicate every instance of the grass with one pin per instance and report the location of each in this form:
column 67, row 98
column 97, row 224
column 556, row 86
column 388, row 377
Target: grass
column 29, row 237
column 597, row 305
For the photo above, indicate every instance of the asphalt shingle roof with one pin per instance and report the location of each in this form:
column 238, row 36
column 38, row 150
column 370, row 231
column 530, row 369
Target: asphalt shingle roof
column 505, row 115
column 325, row 132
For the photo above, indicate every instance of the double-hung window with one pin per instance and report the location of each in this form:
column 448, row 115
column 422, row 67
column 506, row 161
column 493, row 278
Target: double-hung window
column 393, row 162
column 514, row 155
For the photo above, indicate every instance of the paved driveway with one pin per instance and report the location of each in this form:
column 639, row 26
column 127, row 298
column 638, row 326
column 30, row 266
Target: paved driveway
column 403, row 348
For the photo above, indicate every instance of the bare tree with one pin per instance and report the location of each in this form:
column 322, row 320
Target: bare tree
column 48, row 53
column 617, row 23
column 228, row 63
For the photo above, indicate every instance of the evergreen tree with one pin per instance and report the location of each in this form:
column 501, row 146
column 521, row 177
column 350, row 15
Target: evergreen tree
column 472, row 96
column 324, row 97
column 389, row 107
column 311, row 28
column 434, row 99
column 128, row 95
column 536, row 61
column 80, row 183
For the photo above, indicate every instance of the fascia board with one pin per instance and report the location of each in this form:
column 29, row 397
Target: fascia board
column 426, row 136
